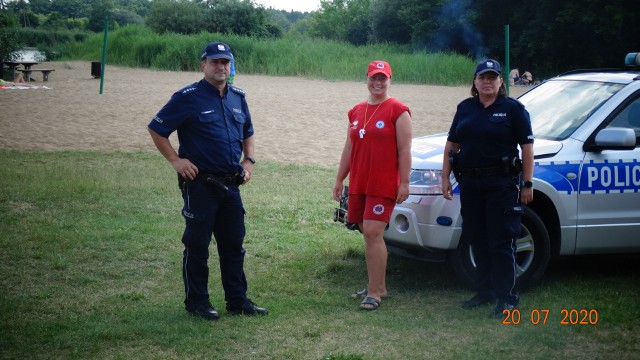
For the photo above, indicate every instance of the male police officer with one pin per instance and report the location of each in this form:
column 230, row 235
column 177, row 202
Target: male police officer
column 214, row 131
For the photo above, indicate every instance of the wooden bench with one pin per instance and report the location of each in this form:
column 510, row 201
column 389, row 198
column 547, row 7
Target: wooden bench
column 45, row 74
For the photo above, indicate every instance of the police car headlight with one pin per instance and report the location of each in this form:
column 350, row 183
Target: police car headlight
column 425, row 182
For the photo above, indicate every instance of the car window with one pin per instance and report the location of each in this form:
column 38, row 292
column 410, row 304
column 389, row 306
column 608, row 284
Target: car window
column 629, row 117
column 559, row 107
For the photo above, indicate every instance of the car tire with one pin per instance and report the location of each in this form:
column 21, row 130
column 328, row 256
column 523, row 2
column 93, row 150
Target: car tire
column 532, row 254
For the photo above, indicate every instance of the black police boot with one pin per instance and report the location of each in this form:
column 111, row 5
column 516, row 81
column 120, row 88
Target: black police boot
column 477, row 301
column 247, row 308
column 205, row 311
column 502, row 310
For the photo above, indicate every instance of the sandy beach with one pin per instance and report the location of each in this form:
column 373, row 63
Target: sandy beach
column 295, row 119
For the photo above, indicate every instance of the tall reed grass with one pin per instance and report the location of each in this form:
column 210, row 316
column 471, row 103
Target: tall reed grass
column 292, row 55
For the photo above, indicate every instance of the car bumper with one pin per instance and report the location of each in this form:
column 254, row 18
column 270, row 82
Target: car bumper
column 414, row 224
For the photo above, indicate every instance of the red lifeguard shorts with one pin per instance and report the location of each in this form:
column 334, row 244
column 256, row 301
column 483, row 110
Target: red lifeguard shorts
column 364, row 207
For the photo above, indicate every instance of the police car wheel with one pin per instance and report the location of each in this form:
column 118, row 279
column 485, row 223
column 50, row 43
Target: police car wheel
column 532, row 254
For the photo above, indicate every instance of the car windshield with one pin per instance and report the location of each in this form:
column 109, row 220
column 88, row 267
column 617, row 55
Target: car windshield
column 559, row 107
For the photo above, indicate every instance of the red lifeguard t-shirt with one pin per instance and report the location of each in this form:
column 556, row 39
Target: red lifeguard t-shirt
column 374, row 152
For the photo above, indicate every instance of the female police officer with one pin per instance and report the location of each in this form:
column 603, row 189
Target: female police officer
column 214, row 130
column 484, row 135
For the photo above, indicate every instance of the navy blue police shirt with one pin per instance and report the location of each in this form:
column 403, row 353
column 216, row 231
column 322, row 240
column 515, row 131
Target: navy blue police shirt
column 211, row 129
column 487, row 134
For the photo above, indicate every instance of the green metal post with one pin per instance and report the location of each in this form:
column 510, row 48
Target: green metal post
column 507, row 67
column 104, row 52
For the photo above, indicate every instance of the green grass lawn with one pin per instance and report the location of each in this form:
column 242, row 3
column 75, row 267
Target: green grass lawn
column 90, row 259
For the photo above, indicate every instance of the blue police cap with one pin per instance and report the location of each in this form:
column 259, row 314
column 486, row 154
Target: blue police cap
column 488, row 65
column 216, row 50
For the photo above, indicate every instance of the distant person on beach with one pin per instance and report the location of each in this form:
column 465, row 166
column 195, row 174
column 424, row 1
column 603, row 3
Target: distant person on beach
column 18, row 81
column 7, row 83
column 215, row 157
column 377, row 158
column 526, row 78
column 514, row 76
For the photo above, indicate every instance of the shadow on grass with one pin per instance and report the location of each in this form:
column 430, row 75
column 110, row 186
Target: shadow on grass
column 618, row 270
column 594, row 267
column 415, row 275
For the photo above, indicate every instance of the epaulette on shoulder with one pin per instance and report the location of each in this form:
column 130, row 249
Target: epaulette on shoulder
column 237, row 90
column 189, row 89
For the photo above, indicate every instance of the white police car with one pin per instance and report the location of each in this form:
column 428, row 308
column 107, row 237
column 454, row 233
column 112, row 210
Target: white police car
column 586, row 179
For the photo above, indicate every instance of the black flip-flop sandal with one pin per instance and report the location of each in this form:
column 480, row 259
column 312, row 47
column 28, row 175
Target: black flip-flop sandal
column 369, row 303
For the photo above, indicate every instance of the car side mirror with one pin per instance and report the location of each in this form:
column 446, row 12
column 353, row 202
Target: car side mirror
column 614, row 138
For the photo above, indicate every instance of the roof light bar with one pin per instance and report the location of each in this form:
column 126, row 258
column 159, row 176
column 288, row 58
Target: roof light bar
column 632, row 59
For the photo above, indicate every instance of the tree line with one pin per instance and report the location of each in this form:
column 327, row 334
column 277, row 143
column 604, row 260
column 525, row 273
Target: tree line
column 546, row 36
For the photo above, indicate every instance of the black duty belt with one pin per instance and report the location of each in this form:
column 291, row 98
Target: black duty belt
column 488, row 171
column 229, row 179
column 217, row 182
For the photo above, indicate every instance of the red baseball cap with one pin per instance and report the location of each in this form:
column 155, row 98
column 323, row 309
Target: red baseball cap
column 379, row 67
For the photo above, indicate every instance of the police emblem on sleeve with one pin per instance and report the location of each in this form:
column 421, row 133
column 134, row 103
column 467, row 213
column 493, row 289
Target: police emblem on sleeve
column 378, row 209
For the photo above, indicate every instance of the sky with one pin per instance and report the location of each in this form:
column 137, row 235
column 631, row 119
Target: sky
column 288, row 5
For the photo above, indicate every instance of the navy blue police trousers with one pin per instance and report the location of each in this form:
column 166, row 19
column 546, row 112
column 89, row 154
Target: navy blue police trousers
column 210, row 211
column 491, row 217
